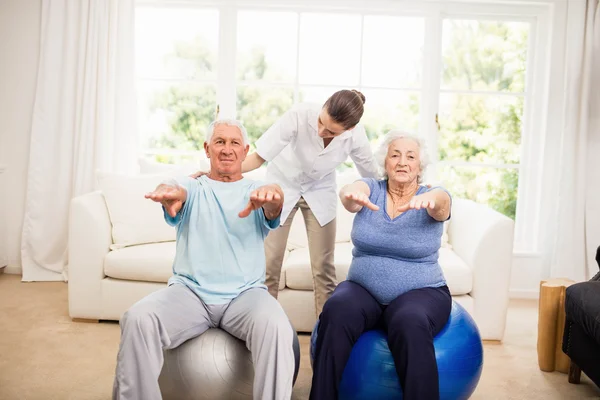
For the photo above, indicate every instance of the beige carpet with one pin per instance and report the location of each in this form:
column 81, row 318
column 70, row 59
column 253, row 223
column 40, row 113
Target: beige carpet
column 44, row 355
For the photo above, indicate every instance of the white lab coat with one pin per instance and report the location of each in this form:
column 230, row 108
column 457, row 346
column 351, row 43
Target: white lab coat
column 303, row 167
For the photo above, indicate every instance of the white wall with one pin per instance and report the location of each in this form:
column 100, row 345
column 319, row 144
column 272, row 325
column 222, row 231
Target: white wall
column 19, row 50
column 525, row 276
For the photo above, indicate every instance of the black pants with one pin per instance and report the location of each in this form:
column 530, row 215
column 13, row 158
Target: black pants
column 411, row 321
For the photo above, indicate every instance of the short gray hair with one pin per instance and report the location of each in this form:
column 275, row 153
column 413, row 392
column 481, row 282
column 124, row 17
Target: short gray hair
column 387, row 140
column 231, row 122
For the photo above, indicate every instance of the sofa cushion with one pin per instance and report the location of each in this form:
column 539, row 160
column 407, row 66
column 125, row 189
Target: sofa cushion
column 458, row 274
column 298, row 275
column 282, row 275
column 135, row 219
column 146, row 262
column 298, row 238
column 202, row 163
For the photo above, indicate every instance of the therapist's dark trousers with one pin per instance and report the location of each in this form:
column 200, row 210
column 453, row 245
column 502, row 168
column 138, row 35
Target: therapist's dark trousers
column 411, row 321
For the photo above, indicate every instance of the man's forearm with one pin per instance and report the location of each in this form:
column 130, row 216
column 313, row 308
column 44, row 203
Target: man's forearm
column 273, row 209
column 271, row 214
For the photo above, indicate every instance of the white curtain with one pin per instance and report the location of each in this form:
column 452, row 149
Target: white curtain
column 84, row 119
column 571, row 200
column 592, row 206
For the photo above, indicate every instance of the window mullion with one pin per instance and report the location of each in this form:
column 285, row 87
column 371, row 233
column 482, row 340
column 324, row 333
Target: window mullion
column 226, row 91
column 297, row 80
column 432, row 66
column 360, row 60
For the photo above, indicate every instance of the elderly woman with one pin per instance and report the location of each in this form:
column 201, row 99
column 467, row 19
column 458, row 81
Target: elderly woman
column 394, row 281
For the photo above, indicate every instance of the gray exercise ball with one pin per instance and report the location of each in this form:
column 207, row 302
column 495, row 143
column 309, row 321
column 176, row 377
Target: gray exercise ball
column 214, row 365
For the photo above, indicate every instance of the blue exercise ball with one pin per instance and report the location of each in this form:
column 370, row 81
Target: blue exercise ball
column 370, row 372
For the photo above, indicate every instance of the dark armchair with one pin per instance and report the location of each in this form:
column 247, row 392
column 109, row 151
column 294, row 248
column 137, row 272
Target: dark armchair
column 581, row 338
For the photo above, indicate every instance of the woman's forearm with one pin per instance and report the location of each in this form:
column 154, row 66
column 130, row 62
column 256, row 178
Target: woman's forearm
column 356, row 187
column 252, row 162
column 441, row 212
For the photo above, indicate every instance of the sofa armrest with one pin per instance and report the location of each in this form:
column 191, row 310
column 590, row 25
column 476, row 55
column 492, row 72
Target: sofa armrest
column 89, row 241
column 483, row 238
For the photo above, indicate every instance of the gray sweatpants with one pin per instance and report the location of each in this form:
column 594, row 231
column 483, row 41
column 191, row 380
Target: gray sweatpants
column 167, row 318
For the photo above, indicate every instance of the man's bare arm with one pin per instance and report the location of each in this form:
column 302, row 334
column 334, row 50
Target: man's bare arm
column 269, row 197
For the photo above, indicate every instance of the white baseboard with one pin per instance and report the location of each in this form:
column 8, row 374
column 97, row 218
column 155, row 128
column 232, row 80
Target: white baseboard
column 13, row 270
column 523, row 294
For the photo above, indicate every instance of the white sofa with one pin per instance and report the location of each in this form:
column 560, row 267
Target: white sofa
column 106, row 278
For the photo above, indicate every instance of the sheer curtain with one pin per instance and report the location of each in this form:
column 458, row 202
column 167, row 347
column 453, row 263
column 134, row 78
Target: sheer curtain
column 570, row 205
column 84, row 119
column 592, row 209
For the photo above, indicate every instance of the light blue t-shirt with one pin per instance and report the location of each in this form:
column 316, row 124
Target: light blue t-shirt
column 393, row 256
column 219, row 255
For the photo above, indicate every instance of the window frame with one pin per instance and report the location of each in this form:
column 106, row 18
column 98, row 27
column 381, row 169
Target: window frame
column 541, row 14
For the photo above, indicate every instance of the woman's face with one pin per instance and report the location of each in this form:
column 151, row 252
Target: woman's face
column 403, row 161
column 328, row 128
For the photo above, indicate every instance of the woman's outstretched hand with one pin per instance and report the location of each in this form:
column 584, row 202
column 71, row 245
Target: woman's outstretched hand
column 360, row 199
column 425, row 200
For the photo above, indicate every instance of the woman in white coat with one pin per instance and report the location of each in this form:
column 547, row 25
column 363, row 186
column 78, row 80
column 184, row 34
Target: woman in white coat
column 303, row 149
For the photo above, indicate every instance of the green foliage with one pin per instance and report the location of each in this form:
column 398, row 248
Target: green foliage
column 258, row 108
column 477, row 56
column 483, row 56
column 190, row 108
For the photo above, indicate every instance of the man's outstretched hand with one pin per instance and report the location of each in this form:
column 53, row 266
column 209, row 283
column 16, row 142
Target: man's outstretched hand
column 269, row 197
column 171, row 197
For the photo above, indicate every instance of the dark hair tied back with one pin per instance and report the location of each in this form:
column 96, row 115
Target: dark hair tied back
column 346, row 107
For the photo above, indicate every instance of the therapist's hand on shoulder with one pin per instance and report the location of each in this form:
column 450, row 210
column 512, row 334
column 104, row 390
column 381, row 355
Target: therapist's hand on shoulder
column 171, row 197
column 198, row 174
column 269, row 197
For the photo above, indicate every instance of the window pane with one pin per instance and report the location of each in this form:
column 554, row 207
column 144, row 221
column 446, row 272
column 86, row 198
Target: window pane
column 261, row 54
column 388, row 109
column 495, row 187
column 317, row 94
column 176, row 42
column 480, row 128
column 329, row 49
column 392, row 51
column 175, row 116
column 484, row 55
column 259, row 107
column 191, row 161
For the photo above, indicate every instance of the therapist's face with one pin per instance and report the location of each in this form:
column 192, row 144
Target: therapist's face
column 226, row 150
column 328, row 128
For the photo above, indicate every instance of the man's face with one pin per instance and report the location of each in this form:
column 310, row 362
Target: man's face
column 226, row 150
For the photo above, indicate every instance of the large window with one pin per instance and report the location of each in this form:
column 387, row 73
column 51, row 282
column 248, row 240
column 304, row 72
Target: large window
column 276, row 70
column 266, row 67
column 457, row 78
column 481, row 108
column 176, row 61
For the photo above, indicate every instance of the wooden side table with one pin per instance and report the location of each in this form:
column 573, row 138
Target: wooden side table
column 551, row 324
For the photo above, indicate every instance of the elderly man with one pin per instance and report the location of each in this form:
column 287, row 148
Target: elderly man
column 222, row 220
